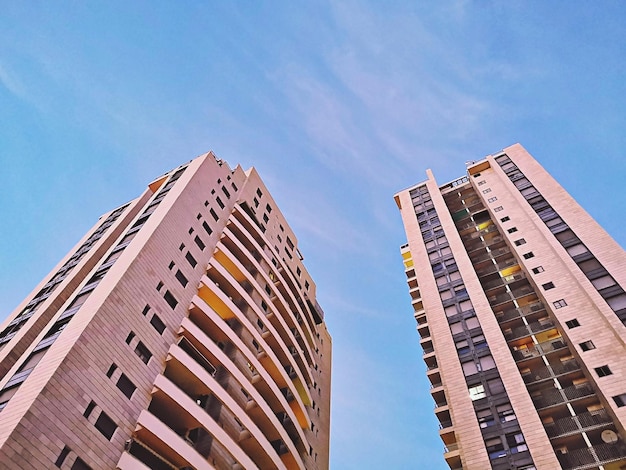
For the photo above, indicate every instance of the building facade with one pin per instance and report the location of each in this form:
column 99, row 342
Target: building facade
column 520, row 306
column 181, row 332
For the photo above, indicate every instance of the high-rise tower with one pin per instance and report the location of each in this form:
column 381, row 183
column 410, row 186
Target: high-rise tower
column 520, row 306
column 182, row 331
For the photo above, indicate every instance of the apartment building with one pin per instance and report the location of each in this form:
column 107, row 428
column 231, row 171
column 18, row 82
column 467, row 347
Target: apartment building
column 181, row 332
column 520, row 306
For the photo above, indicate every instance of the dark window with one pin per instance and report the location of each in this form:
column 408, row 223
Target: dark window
column 159, row 286
column 172, row 264
column 158, row 325
column 199, row 242
column 206, row 203
column 206, row 228
column 259, row 193
column 548, row 285
column 529, row 255
column 111, row 370
column 620, row 400
column 559, row 303
column 214, row 215
column 587, row 346
column 306, row 285
column 505, row 219
column 126, row 386
column 89, row 409
column 181, row 278
column 191, row 259
column 492, row 199
column 266, row 219
column 603, row 371
column 130, row 337
column 145, row 310
column 62, row 456
column 234, row 186
column 256, row 202
column 498, row 209
column 143, row 352
column 520, row 242
column 512, row 230
column 219, row 202
column 572, row 323
column 181, row 247
column 538, row 269
column 225, row 191
column 170, row 299
column 190, row 230
column 105, row 425
column 79, row 464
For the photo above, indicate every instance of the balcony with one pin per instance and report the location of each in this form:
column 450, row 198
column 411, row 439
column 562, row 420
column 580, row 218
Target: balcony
column 577, row 424
column 526, row 330
column 543, row 373
column 550, row 397
column 538, row 350
column 510, row 314
column 592, row 457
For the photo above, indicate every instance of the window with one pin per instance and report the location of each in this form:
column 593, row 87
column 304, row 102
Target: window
column 529, row 255
column 498, row 209
column 145, row 310
column 603, row 371
column 105, row 425
column 572, row 323
column 89, row 409
column 548, row 285
column 126, row 386
column 259, row 193
column 266, row 219
column 225, row 191
column 62, row 456
column 219, row 202
column 520, row 242
column 559, row 303
column 505, row 219
column 256, row 202
column 477, row 392
column 158, row 325
column 159, row 286
column 170, row 299
column 492, row 199
column 214, row 214
column 111, row 370
column 130, row 337
column 181, row 278
column 79, row 464
column 181, row 247
column 192, row 261
column 206, row 228
column 512, row 230
column 190, row 231
column 538, row 269
column 206, row 203
column 200, row 243
column 485, row 191
column 587, row 346
column 199, row 216
column 143, row 352
column 480, row 183
column 620, row 400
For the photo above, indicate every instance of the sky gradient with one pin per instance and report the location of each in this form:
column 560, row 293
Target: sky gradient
column 338, row 104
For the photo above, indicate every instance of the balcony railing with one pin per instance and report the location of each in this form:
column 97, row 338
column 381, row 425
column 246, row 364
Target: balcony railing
column 519, row 312
column 535, row 327
column 543, row 373
column 538, row 350
column 577, row 424
column 592, row 457
column 551, row 397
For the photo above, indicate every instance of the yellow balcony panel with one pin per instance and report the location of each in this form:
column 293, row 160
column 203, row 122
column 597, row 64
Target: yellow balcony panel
column 302, row 391
column 408, row 264
column 156, row 184
column 228, row 263
column 509, row 271
column 300, row 414
column 215, row 302
column 406, row 255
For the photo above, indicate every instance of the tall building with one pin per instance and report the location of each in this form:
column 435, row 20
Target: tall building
column 182, row 332
column 520, row 306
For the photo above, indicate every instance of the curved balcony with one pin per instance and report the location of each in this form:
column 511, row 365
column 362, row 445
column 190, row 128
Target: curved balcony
column 232, row 265
column 272, row 376
column 183, row 371
column 303, row 328
column 278, row 350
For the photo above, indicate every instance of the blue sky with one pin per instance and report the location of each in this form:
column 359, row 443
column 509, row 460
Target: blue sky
column 338, row 105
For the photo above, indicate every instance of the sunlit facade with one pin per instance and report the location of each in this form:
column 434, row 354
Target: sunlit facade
column 182, row 332
column 520, row 306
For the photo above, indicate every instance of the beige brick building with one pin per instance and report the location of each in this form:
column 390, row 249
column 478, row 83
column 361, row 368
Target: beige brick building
column 181, row 332
column 520, row 306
